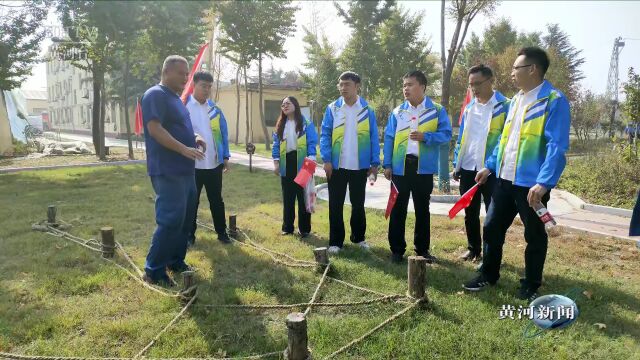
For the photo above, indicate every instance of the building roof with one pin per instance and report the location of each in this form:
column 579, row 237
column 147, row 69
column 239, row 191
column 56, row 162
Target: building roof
column 35, row 94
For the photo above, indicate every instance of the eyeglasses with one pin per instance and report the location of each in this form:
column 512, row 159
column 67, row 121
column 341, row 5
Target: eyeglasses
column 521, row 66
column 477, row 84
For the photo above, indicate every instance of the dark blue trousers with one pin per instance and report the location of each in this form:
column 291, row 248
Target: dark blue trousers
column 175, row 210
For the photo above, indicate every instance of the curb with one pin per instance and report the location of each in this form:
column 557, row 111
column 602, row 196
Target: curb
column 54, row 167
column 446, row 199
column 607, row 210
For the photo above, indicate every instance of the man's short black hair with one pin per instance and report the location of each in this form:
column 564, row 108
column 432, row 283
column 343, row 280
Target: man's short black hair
column 537, row 56
column 418, row 75
column 350, row 75
column 202, row 76
column 482, row 69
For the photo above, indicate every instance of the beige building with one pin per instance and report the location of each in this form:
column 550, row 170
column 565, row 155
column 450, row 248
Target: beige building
column 37, row 101
column 70, row 101
column 272, row 96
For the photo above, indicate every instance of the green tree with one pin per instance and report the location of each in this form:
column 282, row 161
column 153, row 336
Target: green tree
column 570, row 56
column 322, row 80
column 21, row 34
column 253, row 30
column 402, row 49
column 587, row 111
column 91, row 32
column 362, row 53
column 631, row 106
column 499, row 36
column 235, row 44
column 273, row 22
column 462, row 12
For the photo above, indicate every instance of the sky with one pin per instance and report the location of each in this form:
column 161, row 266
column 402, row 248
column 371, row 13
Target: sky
column 591, row 25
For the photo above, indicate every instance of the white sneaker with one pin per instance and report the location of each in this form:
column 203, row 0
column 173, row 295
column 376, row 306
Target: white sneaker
column 333, row 250
column 364, row 245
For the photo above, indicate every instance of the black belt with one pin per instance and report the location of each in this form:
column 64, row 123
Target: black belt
column 411, row 158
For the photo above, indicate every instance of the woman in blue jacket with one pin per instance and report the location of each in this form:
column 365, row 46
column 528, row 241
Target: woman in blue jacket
column 295, row 139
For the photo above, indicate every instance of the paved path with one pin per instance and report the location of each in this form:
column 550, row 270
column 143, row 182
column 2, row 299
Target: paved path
column 564, row 206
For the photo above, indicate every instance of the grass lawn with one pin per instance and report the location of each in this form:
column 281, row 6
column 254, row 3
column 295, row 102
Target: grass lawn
column 115, row 154
column 57, row 298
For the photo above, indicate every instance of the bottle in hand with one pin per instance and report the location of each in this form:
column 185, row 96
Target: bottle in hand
column 544, row 215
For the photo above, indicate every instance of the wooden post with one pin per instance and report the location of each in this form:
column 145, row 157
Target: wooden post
column 297, row 333
column 322, row 258
column 51, row 214
column 188, row 281
column 417, row 272
column 108, row 242
column 233, row 230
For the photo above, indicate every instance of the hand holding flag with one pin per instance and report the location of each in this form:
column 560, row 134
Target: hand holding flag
column 306, row 172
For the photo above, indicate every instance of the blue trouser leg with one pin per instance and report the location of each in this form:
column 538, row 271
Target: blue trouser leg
column 191, row 195
column 171, row 211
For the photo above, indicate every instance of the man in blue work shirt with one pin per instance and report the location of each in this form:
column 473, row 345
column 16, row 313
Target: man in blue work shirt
column 171, row 153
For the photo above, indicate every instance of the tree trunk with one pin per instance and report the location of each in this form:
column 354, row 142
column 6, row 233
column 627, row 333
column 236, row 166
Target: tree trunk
column 246, row 104
column 103, row 105
column 267, row 143
column 126, row 102
column 95, row 111
column 237, row 105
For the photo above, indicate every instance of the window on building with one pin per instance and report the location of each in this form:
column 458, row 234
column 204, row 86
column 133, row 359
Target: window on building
column 271, row 112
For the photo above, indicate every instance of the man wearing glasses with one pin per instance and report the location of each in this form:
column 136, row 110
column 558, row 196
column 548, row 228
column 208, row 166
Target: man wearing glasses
column 480, row 129
column 528, row 161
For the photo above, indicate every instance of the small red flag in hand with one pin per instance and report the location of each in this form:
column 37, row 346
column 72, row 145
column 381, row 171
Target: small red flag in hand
column 139, row 127
column 393, row 196
column 306, row 172
column 464, row 202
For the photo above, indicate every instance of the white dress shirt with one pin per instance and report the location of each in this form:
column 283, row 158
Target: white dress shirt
column 291, row 135
column 476, row 130
column 414, row 118
column 516, row 115
column 349, row 154
column 199, row 114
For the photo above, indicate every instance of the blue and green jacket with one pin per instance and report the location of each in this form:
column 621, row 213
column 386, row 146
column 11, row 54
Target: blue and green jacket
column 500, row 111
column 332, row 135
column 435, row 125
column 306, row 146
column 543, row 140
column 219, row 129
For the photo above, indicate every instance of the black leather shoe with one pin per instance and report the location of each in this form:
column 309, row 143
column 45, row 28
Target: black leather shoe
column 430, row 258
column 180, row 268
column 470, row 256
column 163, row 280
column 224, row 238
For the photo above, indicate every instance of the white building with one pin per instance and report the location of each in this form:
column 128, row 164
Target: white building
column 70, row 101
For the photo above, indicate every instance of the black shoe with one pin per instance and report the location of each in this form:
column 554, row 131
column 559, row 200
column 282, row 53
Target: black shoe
column 180, row 268
column 477, row 284
column 162, row 280
column 397, row 258
column 528, row 294
column 285, row 233
column 304, row 235
column 470, row 256
column 430, row 258
column 224, row 238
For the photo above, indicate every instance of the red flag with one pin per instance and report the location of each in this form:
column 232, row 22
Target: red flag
column 188, row 90
column 306, row 172
column 467, row 100
column 464, row 202
column 393, row 196
column 138, row 128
